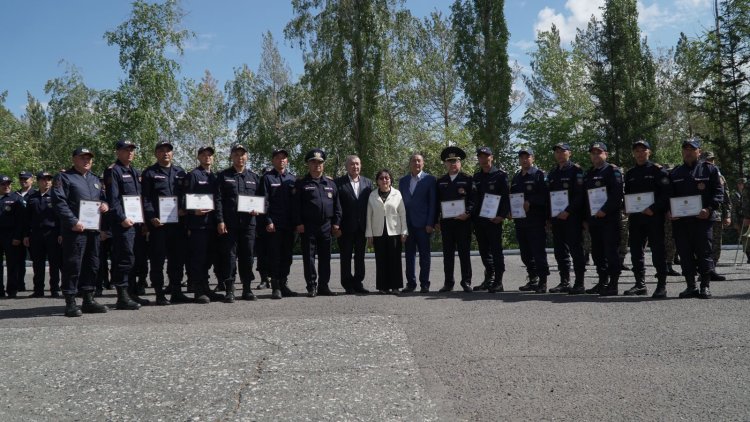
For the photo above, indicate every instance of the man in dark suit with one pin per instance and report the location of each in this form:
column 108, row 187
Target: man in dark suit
column 419, row 192
column 354, row 191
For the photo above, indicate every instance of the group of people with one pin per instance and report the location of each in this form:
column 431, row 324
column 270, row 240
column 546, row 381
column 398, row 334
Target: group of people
column 203, row 218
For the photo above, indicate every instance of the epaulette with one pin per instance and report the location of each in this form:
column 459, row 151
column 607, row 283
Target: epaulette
column 576, row 165
column 328, row 177
column 657, row 165
column 111, row 166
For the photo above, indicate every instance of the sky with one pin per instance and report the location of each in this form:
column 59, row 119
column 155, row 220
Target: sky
column 40, row 38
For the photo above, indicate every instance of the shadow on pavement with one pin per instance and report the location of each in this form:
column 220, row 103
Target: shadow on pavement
column 42, row 311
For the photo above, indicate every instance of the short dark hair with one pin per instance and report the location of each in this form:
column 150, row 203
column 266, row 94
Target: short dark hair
column 384, row 171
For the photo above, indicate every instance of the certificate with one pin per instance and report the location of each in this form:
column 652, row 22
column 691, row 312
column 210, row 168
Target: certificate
column 89, row 215
column 686, row 206
column 559, row 201
column 490, row 204
column 597, row 198
column 516, row 205
column 453, row 209
column 199, row 201
column 131, row 204
column 168, row 209
column 637, row 202
column 250, row 203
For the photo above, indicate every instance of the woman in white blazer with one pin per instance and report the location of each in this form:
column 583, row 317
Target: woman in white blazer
column 386, row 231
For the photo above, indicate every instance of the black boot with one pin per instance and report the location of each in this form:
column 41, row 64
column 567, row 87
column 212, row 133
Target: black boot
column 323, row 290
column 671, row 272
column 177, row 295
column 71, row 309
column 497, row 284
column 161, row 297
column 140, row 288
column 578, row 287
column 201, row 293
column 531, row 285
column 691, row 291
column 542, row 286
column 705, row 291
column 716, row 276
column 285, row 290
column 229, row 288
column 262, row 285
column 91, row 306
column 312, row 290
column 247, row 292
column 639, row 289
column 124, row 301
column 611, row 289
column 276, row 291
column 599, row 286
column 466, row 285
column 136, row 298
column 564, row 286
column 212, row 295
column 661, row 287
column 486, row 283
column 360, row 289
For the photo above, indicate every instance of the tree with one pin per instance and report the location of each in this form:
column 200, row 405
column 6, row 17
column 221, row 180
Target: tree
column 482, row 63
column 148, row 98
column 13, row 148
column 622, row 78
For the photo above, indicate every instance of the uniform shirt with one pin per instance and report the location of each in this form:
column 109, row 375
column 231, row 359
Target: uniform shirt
column 700, row 178
column 494, row 182
column 278, row 189
column 229, row 185
column 460, row 188
column 12, row 214
column 25, row 196
column 534, row 189
column 160, row 181
column 569, row 178
column 609, row 176
column 40, row 214
column 70, row 188
column 120, row 181
column 316, row 202
column 199, row 181
column 650, row 177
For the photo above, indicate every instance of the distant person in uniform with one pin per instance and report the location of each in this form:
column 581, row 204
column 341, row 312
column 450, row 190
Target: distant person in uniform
column 42, row 236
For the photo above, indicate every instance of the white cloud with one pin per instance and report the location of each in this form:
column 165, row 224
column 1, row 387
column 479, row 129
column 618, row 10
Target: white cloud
column 577, row 15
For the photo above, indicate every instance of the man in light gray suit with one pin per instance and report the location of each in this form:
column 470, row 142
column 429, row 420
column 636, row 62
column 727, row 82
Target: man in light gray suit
column 419, row 192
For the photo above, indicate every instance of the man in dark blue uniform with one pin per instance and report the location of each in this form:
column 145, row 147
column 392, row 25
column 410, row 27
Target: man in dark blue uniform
column 11, row 235
column 42, row 236
column 644, row 226
column 565, row 182
column 26, row 180
column 456, row 186
column 80, row 244
column 490, row 180
column 604, row 180
column 236, row 229
column 278, row 187
column 259, row 247
column 354, row 192
column 121, row 180
column 317, row 215
column 167, row 240
column 693, row 234
column 530, row 231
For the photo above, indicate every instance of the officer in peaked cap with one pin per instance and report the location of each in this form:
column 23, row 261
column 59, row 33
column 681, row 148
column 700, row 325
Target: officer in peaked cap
column 317, row 216
column 647, row 225
column 80, row 244
column 694, row 234
column 529, row 181
column 40, row 235
column 26, row 180
column 11, row 234
column 277, row 185
column 565, row 183
column 456, row 186
column 489, row 230
column 604, row 219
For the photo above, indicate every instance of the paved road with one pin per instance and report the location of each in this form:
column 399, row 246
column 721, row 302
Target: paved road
column 510, row 356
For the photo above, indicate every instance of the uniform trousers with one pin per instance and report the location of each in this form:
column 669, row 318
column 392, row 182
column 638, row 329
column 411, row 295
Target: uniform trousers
column 8, row 254
column 568, row 243
column 642, row 229
column 532, row 240
column 280, row 244
column 122, row 253
column 605, row 244
column 166, row 242
column 693, row 238
column 316, row 241
column 80, row 261
column 490, row 242
column 237, row 245
column 456, row 235
column 44, row 248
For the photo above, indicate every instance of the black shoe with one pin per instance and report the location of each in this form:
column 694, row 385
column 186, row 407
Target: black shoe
column 530, row 286
column 161, row 300
column 690, row 292
column 325, row 291
column 482, row 287
column 466, row 286
column 705, row 293
column 179, row 297
column 36, row 295
column 577, row 289
column 55, row 294
column 636, row 291
column 595, row 290
column 286, row 291
column 71, row 309
column 422, row 290
column 91, row 306
column 13, row 295
column 215, row 297
column 717, row 277
column 408, row 289
column 446, row 288
column 201, row 298
column 496, row 287
column 360, row 290
column 611, row 289
column 541, row 288
column 671, row 272
column 660, row 292
column 229, row 288
column 312, row 292
column 563, row 287
column 276, row 292
column 139, row 300
column 124, row 301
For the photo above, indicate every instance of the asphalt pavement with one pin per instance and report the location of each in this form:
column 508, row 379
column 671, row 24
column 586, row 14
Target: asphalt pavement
column 449, row 357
